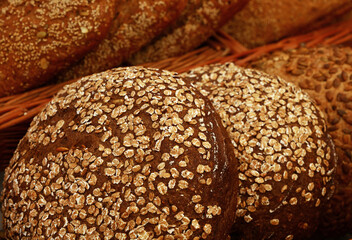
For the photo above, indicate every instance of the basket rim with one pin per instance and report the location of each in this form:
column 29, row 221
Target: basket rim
column 221, row 48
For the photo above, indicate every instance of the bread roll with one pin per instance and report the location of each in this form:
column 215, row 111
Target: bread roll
column 325, row 73
column 130, row 153
column 265, row 21
column 39, row 38
column 136, row 24
column 286, row 157
column 199, row 20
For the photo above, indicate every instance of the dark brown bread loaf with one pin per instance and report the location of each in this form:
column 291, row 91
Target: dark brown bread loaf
column 265, row 21
column 137, row 23
column 198, row 22
column 39, row 38
column 286, row 158
column 325, row 73
column 130, row 153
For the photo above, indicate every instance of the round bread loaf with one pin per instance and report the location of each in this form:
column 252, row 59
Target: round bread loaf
column 286, row 158
column 130, row 153
column 39, row 38
column 325, row 73
column 136, row 24
column 199, row 20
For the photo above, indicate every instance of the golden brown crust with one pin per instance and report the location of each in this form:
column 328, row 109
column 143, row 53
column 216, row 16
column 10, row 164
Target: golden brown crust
column 136, row 24
column 38, row 38
column 198, row 22
column 265, row 21
column 131, row 153
column 286, row 158
column 325, row 73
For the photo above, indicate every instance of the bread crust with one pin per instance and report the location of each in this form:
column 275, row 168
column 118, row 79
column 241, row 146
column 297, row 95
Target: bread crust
column 135, row 25
column 199, row 20
column 131, row 153
column 39, row 38
column 265, row 21
column 325, row 73
column 287, row 160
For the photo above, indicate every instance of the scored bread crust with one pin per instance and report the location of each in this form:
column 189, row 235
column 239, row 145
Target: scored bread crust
column 130, row 153
column 199, row 20
column 39, row 38
column 136, row 24
column 265, row 21
column 325, row 73
column 286, row 158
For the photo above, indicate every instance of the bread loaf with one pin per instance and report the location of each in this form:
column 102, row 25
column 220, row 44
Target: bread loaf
column 325, row 73
column 136, row 24
column 286, row 158
column 131, row 153
column 265, row 21
column 199, row 20
column 39, row 38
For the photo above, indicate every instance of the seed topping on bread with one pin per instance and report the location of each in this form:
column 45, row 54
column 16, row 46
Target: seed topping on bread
column 39, row 38
column 286, row 158
column 130, row 153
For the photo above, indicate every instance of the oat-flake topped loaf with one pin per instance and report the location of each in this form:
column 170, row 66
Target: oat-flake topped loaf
column 130, row 153
column 286, row 158
column 39, row 38
column 325, row 73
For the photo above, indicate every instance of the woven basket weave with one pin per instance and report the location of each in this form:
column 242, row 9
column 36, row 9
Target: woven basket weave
column 18, row 110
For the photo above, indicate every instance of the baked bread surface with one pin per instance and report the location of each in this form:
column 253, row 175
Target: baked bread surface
column 40, row 38
column 130, row 153
column 264, row 21
column 136, row 24
column 286, row 158
column 325, row 73
column 199, row 20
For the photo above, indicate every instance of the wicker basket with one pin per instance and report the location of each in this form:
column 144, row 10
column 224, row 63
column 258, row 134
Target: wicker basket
column 18, row 110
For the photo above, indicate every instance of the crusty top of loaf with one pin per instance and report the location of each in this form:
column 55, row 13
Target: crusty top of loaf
column 325, row 73
column 287, row 160
column 199, row 20
column 38, row 38
column 265, row 21
column 136, row 24
column 130, row 153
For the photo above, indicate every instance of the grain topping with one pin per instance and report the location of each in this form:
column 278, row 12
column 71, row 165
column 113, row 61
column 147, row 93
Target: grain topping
column 115, row 155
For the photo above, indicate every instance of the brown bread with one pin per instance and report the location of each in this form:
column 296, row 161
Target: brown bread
column 40, row 38
column 136, row 24
column 286, row 158
column 130, row 153
column 265, row 21
column 199, row 20
column 325, row 73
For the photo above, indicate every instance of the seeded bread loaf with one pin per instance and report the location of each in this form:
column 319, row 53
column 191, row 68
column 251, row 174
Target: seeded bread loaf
column 136, row 24
column 39, row 38
column 325, row 73
column 199, row 20
column 130, row 153
column 265, row 21
column 286, row 158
